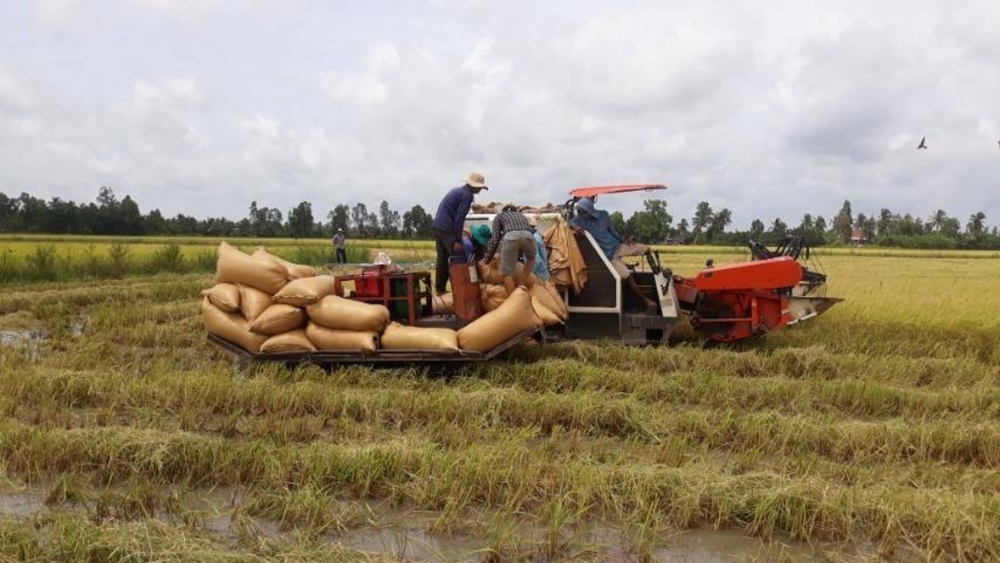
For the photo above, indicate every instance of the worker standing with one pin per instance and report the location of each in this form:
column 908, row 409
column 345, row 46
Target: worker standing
column 512, row 233
column 449, row 222
column 598, row 224
column 340, row 245
column 541, row 269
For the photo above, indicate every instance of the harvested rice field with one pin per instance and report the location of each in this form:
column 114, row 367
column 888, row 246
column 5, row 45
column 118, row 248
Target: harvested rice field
column 871, row 433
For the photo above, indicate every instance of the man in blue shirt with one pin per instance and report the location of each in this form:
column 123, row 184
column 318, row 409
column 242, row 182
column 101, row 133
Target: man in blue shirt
column 598, row 224
column 449, row 222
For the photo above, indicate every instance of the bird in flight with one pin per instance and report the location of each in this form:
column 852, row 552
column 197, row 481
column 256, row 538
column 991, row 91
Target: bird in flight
column 923, row 144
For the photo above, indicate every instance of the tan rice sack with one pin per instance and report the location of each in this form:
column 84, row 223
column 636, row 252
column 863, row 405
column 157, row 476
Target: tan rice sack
column 492, row 296
column 230, row 326
column 341, row 340
column 278, row 318
column 292, row 270
column 546, row 315
column 293, row 341
column 557, row 298
column 443, row 304
column 225, row 296
column 234, row 266
column 346, row 314
column 490, row 273
column 253, row 302
column 305, row 291
column 400, row 337
column 541, row 296
column 494, row 328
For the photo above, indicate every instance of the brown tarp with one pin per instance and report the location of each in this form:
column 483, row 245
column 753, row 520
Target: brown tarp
column 566, row 265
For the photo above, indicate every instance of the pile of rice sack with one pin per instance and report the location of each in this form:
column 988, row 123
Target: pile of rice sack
column 265, row 304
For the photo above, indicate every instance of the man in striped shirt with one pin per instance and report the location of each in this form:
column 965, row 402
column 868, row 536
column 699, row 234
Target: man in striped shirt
column 512, row 234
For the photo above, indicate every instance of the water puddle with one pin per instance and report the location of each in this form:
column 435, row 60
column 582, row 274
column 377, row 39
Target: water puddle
column 404, row 534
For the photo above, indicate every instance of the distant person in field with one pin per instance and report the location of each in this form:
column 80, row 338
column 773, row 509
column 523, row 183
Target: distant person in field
column 340, row 245
column 449, row 221
column 512, row 235
column 598, row 224
column 474, row 242
column 541, row 269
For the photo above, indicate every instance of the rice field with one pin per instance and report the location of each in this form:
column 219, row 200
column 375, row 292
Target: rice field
column 871, row 433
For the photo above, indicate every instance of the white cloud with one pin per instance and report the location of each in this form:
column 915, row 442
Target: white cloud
column 776, row 111
column 57, row 13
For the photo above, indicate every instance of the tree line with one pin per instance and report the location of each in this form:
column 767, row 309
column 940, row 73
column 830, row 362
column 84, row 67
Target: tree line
column 107, row 215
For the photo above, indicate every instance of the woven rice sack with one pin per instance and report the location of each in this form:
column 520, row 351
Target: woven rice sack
column 225, row 296
column 278, row 318
column 443, row 304
column 230, row 326
column 305, row 291
column 492, row 296
column 400, row 337
column 234, row 266
column 253, row 302
column 557, row 298
column 496, row 327
column 292, row 341
column 490, row 273
column 346, row 314
column 292, row 270
column 546, row 315
column 541, row 296
column 341, row 340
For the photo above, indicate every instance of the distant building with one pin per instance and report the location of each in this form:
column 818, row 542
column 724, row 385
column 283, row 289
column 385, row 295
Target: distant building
column 858, row 237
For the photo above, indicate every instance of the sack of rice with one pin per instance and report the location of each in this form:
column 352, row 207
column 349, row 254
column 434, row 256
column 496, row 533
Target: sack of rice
column 400, row 337
column 278, row 318
column 345, row 314
column 496, row 327
column 546, row 315
column 443, row 304
column 305, row 291
column 540, row 297
column 341, row 340
column 492, row 296
column 557, row 298
column 230, row 326
column 292, row 270
column 225, row 296
column 234, row 266
column 490, row 273
column 253, row 302
column 292, row 341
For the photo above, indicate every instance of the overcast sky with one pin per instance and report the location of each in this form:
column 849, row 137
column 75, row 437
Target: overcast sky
column 768, row 108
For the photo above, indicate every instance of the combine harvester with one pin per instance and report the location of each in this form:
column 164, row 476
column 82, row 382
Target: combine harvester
column 726, row 303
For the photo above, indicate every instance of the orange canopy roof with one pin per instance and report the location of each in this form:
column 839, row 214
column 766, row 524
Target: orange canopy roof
column 600, row 190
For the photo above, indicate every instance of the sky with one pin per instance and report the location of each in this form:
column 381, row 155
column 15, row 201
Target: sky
column 770, row 108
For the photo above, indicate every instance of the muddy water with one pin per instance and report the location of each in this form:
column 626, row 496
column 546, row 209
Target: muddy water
column 404, row 535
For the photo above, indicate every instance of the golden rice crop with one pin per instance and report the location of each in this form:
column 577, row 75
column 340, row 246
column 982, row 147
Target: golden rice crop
column 870, row 432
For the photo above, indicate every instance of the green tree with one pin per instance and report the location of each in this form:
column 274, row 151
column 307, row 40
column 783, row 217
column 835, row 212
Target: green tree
column 359, row 220
column 339, row 218
column 417, row 223
column 718, row 223
column 843, row 223
column 976, row 226
column 757, row 229
column 300, row 220
column 702, row 217
column 618, row 223
column 388, row 220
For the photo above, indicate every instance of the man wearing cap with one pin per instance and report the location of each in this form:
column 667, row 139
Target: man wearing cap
column 598, row 224
column 449, row 222
column 512, row 233
column 339, row 243
column 474, row 242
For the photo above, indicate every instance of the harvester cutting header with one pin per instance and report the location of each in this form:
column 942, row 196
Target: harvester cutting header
column 379, row 315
